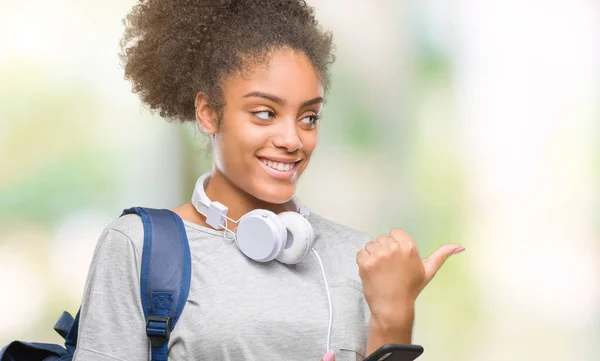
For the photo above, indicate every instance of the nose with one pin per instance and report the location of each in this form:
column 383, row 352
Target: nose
column 287, row 137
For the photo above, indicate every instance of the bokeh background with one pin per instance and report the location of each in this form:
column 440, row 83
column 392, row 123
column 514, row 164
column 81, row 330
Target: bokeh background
column 465, row 121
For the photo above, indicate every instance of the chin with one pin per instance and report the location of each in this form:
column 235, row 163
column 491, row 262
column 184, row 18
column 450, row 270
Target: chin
column 276, row 186
column 275, row 193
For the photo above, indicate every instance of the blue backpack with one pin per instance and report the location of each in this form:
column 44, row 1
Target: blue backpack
column 164, row 285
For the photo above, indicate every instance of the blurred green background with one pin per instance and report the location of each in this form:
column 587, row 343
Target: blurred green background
column 466, row 121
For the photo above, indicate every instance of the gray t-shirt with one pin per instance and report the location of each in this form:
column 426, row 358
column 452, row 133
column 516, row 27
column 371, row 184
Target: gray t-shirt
column 237, row 309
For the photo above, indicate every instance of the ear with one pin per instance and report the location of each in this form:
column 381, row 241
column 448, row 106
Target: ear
column 205, row 115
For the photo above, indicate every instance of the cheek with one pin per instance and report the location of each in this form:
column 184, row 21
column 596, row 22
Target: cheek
column 240, row 140
column 309, row 142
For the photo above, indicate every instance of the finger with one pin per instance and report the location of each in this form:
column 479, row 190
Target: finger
column 402, row 237
column 385, row 241
column 433, row 263
column 374, row 248
column 406, row 242
column 361, row 255
column 329, row 356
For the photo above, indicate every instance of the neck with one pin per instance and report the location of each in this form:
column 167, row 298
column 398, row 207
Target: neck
column 220, row 189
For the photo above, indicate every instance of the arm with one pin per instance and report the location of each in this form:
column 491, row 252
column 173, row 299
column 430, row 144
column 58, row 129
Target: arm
column 382, row 332
column 112, row 324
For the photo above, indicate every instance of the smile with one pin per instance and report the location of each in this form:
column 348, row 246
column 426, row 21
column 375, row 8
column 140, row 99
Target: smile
column 278, row 168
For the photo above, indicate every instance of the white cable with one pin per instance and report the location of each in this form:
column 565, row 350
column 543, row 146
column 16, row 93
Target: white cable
column 227, row 218
column 328, row 299
column 227, row 230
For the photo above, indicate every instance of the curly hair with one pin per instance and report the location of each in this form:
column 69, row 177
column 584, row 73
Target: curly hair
column 173, row 49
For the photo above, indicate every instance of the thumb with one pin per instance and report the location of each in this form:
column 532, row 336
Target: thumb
column 433, row 263
column 329, row 356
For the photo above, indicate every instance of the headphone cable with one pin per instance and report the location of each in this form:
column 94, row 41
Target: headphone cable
column 328, row 299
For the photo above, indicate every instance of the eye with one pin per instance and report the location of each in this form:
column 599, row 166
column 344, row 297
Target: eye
column 311, row 120
column 264, row 114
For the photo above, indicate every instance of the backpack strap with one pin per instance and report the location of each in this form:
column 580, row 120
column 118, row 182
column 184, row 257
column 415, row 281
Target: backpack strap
column 165, row 275
column 68, row 328
column 64, row 324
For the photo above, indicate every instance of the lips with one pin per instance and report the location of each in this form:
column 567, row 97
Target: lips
column 280, row 168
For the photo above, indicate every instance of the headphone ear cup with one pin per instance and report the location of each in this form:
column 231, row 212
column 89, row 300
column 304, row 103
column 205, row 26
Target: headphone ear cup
column 300, row 238
column 261, row 235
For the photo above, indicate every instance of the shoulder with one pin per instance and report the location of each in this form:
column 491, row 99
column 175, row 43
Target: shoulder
column 338, row 233
column 127, row 230
column 129, row 224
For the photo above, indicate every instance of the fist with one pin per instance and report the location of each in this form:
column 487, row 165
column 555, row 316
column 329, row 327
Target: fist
column 393, row 273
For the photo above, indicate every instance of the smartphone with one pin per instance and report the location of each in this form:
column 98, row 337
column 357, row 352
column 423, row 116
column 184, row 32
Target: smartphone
column 396, row 352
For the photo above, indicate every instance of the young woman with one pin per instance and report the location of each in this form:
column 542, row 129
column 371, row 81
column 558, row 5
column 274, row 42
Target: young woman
column 253, row 74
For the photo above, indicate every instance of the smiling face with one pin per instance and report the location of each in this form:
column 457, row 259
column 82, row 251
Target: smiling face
column 269, row 126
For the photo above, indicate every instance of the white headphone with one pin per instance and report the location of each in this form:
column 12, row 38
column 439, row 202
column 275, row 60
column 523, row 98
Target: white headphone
column 261, row 234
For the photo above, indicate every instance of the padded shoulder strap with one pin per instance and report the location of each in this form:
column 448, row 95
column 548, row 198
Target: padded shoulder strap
column 165, row 275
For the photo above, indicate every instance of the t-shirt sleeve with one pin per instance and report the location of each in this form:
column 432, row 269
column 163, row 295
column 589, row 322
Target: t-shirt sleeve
column 112, row 324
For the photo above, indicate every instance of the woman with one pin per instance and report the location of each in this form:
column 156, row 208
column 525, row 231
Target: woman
column 253, row 75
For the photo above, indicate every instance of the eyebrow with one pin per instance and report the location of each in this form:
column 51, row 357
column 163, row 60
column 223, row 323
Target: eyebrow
column 277, row 100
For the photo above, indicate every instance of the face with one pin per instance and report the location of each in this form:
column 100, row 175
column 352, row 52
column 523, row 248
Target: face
column 269, row 127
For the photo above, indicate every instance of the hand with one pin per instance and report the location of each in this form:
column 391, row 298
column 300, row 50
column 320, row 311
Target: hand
column 329, row 356
column 393, row 275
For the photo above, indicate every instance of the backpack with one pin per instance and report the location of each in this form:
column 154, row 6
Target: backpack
column 164, row 287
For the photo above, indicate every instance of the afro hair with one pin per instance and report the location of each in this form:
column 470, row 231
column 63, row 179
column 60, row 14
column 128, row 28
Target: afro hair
column 173, row 49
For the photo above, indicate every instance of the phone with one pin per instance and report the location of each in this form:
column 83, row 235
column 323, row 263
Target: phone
column 396, row 352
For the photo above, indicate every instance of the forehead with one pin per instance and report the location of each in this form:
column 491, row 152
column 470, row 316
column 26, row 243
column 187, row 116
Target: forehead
column 287, row 74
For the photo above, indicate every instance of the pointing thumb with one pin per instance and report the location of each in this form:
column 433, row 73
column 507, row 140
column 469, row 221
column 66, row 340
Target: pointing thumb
column 433, row 263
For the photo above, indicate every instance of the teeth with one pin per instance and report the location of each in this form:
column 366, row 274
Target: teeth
column 283, row 167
